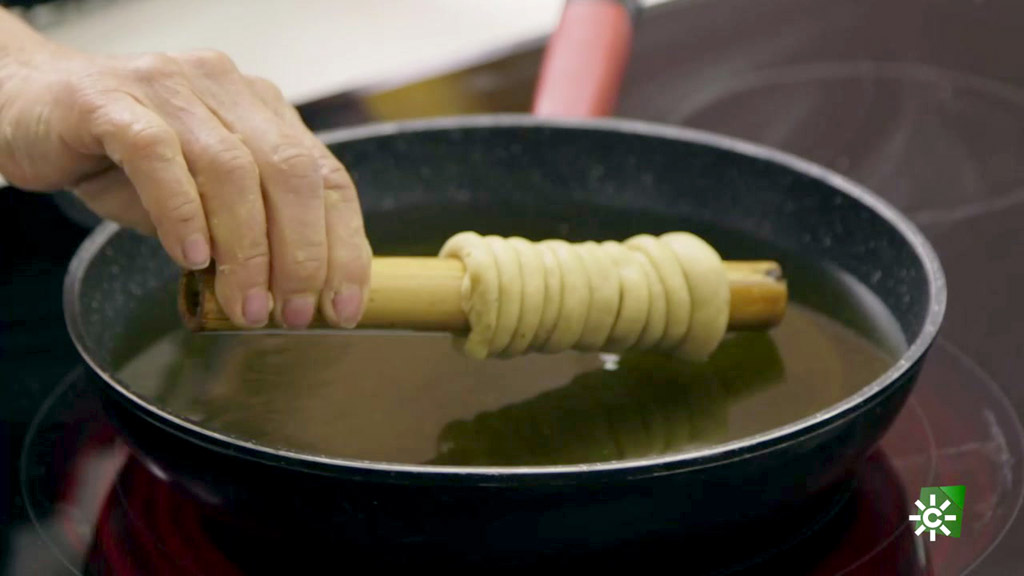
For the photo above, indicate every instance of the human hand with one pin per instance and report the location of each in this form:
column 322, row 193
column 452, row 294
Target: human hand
column 214, row 162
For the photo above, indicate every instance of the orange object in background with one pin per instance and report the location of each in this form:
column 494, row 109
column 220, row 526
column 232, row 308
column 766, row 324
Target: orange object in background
column 585, row 60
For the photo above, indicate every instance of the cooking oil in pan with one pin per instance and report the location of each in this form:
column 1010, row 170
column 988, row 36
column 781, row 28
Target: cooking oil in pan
column 413, row 398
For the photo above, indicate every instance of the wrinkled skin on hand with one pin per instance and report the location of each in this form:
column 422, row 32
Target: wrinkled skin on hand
column 215, row 163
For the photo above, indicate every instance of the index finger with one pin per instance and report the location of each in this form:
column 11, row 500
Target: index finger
column 149, row 152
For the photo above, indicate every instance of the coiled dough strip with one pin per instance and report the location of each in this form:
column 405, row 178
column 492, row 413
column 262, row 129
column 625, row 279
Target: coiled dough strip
column 552, row 298
column 604, row 297
column 657, row 315
column 709, row 292
column 531, row 266
column 479, row 289
column 677, row 294
column 510, row 292
column 635, row 302
column 575, row 296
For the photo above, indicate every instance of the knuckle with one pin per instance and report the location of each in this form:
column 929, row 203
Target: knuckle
column 153, row 140
column 182, row 211
column 294, row 159
column 156, row 68
column 248, row 265
column 212, row 62
column 295, row 163
column 230, row 158
column 308, row 266
column 344, row 212
column 337, row 180
column 255, row 256
column 266, row 87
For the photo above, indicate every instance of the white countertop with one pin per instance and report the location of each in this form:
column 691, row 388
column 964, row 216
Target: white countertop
column 311, row 48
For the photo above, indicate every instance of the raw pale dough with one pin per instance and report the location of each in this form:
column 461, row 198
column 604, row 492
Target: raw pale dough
column 604, row 297
column 657, row 316
column 668, row 292
column 552, row 298
column 709, row 292
column 479, row 289
column 575, row 296
column 636, row 298
column 677, row 294
column 510, row 292
column 531, row 265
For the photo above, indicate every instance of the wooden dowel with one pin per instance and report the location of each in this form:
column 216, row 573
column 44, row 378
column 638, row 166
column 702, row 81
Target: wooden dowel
column 425, row 293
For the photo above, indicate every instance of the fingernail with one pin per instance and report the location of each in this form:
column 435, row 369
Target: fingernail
column 348, row 305
column 256, row 307
column 196, row 251
column 298, row 311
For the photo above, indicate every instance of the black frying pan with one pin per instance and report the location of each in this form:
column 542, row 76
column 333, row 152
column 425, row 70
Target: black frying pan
column 511, row 169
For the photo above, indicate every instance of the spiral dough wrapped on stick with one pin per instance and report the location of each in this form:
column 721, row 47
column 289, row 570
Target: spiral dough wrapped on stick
column 668, row 292
column 504, row 297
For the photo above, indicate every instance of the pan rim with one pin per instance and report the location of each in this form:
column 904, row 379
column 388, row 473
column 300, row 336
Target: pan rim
column 807, row 426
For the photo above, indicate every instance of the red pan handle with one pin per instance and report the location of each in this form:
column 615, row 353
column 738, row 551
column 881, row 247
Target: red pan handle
column 585, row 60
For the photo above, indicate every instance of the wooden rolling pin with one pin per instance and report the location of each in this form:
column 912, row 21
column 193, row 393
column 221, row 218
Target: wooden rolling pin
column 425, row 293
